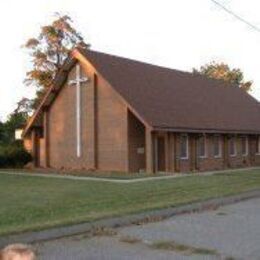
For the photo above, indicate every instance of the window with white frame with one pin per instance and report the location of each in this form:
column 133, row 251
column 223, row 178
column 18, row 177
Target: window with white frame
column 217, row 146
column 258, row 145
column 232, row 146
column 184, row 147
column 244, row 145
column 202, row 153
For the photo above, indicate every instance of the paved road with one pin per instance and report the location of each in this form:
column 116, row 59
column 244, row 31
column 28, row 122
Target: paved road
column 233, row 231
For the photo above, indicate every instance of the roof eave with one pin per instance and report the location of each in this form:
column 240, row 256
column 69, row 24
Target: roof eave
column 53, row 90
column 209, row 131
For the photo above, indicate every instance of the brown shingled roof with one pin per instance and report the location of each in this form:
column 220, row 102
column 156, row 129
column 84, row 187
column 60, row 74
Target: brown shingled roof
column 178, row 101
column 172, row 99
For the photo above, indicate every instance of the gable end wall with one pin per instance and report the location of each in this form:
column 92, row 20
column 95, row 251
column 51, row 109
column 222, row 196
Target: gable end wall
column 103, row 127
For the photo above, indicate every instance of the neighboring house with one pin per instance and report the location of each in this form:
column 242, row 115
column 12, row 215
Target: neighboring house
column 114, row 114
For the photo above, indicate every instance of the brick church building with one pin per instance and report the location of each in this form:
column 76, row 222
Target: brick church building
column 114, row 114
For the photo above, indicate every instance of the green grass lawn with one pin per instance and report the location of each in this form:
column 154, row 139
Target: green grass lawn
column 32, row 203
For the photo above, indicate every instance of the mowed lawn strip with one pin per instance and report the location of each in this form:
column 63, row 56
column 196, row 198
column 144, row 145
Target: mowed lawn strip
column 33, row 203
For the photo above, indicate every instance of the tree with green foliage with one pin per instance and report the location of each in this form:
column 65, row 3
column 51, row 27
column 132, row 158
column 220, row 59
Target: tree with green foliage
column 12, row 152
column 49, row 50
column 15, row 120
column 2, row 133
column 24, row 106
column 222, row 71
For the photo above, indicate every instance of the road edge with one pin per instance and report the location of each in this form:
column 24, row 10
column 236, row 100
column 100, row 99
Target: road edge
column 152, row 215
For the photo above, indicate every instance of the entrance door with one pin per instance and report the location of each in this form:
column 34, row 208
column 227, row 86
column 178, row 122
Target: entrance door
column 161, row 154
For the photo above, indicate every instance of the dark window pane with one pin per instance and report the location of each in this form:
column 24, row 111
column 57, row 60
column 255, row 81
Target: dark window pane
column 244, row 145
column 184, row 146
column 216, row 146
column 232, row 146
column 202, row 146
column 258, row 145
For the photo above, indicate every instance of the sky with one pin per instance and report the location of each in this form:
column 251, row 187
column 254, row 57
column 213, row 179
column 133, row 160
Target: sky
column 177, row 34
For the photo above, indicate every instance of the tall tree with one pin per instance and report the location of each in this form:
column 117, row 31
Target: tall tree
column 2, row 133
column 222, row 71
column 24, row 106
column 49, row 50
column 15, row 120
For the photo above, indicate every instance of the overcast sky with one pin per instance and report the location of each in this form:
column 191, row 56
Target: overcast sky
column 177, row 34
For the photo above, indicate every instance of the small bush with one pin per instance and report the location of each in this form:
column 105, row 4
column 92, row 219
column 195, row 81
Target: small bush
column 13, row 156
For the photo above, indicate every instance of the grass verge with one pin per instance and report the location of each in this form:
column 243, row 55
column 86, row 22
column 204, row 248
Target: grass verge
column 34, row 203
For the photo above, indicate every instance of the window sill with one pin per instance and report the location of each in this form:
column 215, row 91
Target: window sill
column 217, row 157
column 184, row 158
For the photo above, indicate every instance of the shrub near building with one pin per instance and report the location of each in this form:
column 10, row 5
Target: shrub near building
column 12, row 152
column 13, row 156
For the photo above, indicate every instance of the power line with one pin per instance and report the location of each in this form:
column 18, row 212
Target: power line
column 241, row 19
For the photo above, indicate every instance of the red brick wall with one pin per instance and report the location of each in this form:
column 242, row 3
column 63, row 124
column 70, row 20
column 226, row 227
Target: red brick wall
column 210, row 162
column 254, row 157
column 42, row 152
column 136, row 141
column 238, row 160
column 111, row 151
column 112, row 129
column 183, row 164
column 62, row 128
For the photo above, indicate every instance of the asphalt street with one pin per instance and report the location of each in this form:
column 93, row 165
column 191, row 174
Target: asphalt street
column 230, row 232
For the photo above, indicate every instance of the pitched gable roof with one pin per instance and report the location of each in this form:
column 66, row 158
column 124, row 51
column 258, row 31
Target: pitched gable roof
column 169, row 99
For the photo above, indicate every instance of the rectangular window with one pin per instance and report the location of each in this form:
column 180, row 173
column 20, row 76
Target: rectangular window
column 202, row 147
column 258, row 145
column 232, row 146
column 217, row 146
column 184, row 147
column 244, row 145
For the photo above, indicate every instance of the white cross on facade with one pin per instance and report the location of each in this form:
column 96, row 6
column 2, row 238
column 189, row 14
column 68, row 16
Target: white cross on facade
column 77, row 82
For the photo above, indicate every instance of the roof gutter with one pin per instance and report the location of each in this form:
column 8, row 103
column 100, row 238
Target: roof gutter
column 202, row 130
